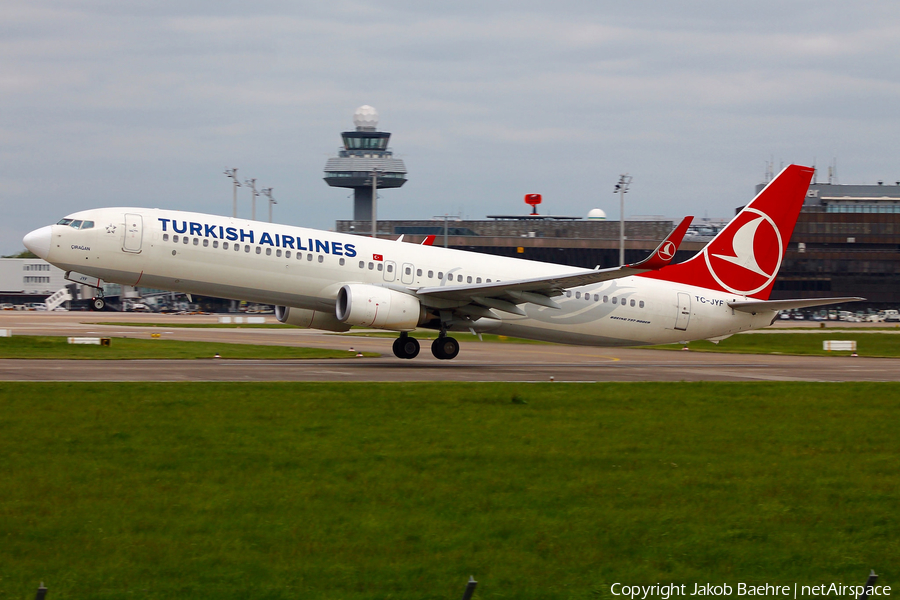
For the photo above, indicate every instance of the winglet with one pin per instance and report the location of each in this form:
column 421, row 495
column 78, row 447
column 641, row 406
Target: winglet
column 429, row 240
column 665, row 252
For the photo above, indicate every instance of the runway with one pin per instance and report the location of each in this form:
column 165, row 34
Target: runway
column 478, row 361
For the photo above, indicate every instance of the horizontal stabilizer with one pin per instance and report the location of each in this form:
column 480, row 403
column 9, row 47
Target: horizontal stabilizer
column 757, row 306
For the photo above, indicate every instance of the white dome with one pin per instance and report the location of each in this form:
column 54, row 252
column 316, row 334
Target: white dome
column 365, row 118
column 596, row 214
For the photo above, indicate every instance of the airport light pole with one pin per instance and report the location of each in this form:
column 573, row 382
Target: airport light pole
column 622, row 189
column 445, row 218
column 268, row 192
column 374, row 174
column 233, row 174
column 251, row 183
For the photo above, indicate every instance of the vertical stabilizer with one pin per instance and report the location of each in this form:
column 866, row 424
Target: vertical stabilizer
column 744, row 258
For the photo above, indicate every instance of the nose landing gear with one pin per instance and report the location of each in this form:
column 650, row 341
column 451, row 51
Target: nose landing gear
column 98, row 303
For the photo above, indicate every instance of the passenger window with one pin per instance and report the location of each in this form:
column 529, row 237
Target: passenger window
column 196, row 242
column 381, row 266
column 469, row 279
column 362, row 264
column 215, row 243
column 321, row 258
column 247, row 248
column 596, row 298
column 224, row 245
column 459, row 278
column 578, row 295
column 632, row 303
column 309, row 257
column 488, row 280
column 478, row 280
column 605, row 298
column 615, row 300
column 268, row 251
column 342, row 262
column 165, row 237
column 287, row 253
column 371, row 266
column 568, row 294
column 440, row 275
column 418, row 272
column 430, row 274
column 277, row 253
column 258, row 250
column 390, row 268
column 205, row 243
column 185, row 239
column 641, row 305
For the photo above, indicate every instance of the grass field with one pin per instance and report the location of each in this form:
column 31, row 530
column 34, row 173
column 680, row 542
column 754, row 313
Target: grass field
column 26, row 346
column 365, row 491
column 869, row 343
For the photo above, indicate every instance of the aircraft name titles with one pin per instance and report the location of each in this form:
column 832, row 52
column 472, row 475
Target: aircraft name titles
column 235, row 234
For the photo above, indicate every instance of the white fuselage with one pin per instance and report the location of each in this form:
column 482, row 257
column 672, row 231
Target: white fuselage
column 304, row 268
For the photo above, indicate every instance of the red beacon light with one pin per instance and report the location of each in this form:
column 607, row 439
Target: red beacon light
column 533, row 200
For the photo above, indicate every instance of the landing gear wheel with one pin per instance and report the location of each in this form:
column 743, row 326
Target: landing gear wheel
column 445, row 348
column 406, row 347
column 98, row 303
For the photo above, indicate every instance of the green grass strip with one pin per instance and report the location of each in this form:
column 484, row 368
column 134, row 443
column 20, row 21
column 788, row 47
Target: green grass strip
column 131, row 348
column 871, row 344
column 365, row 491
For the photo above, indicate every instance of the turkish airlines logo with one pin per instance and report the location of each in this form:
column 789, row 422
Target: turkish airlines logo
column 667, row 251
column 749, row 261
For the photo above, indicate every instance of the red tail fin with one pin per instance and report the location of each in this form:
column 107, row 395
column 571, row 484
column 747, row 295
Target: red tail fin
column 745, row 257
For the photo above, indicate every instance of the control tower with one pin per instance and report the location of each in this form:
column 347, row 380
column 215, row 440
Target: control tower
column 363, row 158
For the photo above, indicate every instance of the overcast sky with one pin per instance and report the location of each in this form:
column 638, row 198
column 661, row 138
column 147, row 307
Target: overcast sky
column 145, row 103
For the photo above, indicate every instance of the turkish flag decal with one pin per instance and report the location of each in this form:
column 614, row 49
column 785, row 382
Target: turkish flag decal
column 377, row 257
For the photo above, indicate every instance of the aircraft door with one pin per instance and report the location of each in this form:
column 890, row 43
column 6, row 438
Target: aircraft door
column 684, row 311
column 406, row 274
column 390, row 270
column 134, row 231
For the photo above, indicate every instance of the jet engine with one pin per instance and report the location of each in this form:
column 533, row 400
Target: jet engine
column 375, row 306
column 309, row 319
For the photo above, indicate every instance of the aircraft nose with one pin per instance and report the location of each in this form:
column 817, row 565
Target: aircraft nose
column 38, row 241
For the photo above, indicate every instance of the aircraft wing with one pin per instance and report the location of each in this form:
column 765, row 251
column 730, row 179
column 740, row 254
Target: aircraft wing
column 505, row 295
column 756, row 306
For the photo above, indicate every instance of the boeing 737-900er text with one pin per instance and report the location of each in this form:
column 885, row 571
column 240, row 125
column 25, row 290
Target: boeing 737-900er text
column 333, row 281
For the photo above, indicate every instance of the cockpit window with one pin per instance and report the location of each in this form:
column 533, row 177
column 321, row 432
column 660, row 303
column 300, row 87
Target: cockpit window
column 64, row 221
column 87, row 225
column 75, row 225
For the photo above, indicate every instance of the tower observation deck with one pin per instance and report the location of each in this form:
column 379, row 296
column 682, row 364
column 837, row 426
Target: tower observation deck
column 365, row 156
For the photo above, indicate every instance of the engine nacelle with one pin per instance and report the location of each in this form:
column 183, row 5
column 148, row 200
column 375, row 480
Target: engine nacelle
column 379, row 307
column 309, row 319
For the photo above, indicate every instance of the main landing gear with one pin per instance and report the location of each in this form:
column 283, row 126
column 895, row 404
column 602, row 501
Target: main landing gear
column 443, row 348
column 406, row 347
column 98, row 303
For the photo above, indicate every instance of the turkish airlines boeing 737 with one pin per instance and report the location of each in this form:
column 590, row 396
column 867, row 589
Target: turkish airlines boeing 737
column 333, row 281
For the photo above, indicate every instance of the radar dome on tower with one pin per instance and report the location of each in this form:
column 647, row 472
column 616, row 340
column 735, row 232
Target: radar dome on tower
column 596, row 214
column 365, row 118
